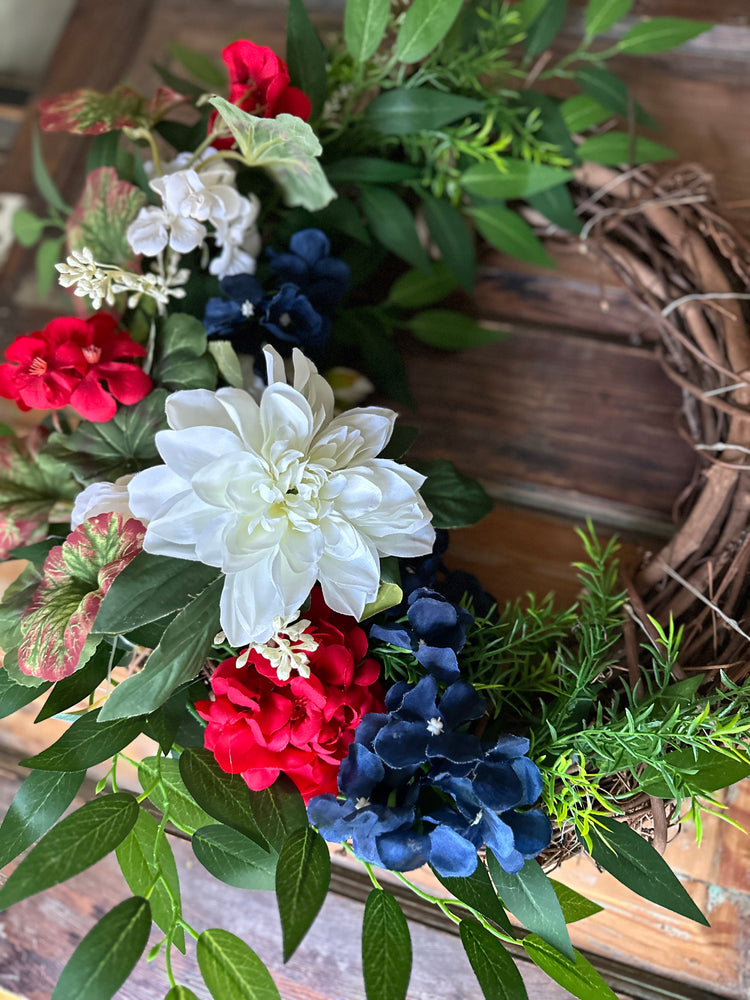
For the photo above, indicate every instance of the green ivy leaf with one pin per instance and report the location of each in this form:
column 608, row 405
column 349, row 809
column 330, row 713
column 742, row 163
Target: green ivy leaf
column 386, row 948
column 235, row 859
column 100, row 824
column 199, row 66
column 478, row 891
column 635, row 863
column 177, row 659
column 450, row 330
column 231, row 969
column 573, row 905
column 159, row 774
column 405, row 111
column 223, row 796
column 303, row 875
column 456, row 500
column 305, row 56
column 86, row 742
column 576, row 975
column 146, row 860
column 39, row 802
column 425, row 25
column 544, row 29
column 507, row 231
column 364, row 26
column 530, row 897
column 494, row 968
column 107, row 955
column 519, row 179
column 659, row 34
column 393, row 225
column 602, row 14
column 616, row 148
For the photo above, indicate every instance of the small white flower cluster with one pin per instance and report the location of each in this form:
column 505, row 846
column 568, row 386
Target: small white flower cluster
column 102, row 282
column 286, row 650
column 192, row 196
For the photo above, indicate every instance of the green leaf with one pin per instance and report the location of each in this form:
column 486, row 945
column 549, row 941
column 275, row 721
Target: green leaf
column 47, row 255
column 602, row 14
column 425, row 25
column 615, row 148
column 303, row 875
column 708, row 770
column 223, row 796
column 367, row 330
column 107, row 955
column 401, row 441
column 14, row 695
column 199, row 66
column 284, row 146
column 231, row 969
column 557, row 205
column 453, row 238
column 494, row 968
column 182, row 359
column 478, row 891
column 149, row 588
column 39, row 802
column 450, row 330
column 364, row 26
column 635, row 863
column 388, row 596
column 181, row 993
column 227, row 362
column 545, row 27
column 386, row 948
column 507, row 231
column 235, row 859
column 404, row 111
column 27, row 227
column 86, row 742
column 70, row 690
column 100, row 824
column 44, row 183
column 610, row 91
column 177, row 659
column 305, row 56
column 416, row 289
column 456, row 500
column 161, row 779
column 582, row 112
column 573, row 905
column 392, row 224
column 104, row 151
column 530, row 897
column 343, row 215
column 578, row 975
column 147, row 863
column 528, row 11
column 369, row 170
column 659, row 34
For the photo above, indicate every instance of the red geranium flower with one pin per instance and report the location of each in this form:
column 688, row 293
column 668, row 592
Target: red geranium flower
column 259, row 726
column 259, row 84
column 66, row 364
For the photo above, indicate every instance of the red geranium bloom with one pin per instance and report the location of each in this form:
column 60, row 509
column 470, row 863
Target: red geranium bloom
column 259, row 84
column 66, row 363
column 259, row 726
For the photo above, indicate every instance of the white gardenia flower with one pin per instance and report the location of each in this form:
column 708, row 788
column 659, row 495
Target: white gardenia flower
column 278, row 495
column 102, row 498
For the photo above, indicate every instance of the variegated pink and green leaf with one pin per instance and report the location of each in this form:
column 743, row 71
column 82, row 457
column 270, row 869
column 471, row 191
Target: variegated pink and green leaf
column 104, row 211
column 31, row 483
column 90, row 112
column 56, row 626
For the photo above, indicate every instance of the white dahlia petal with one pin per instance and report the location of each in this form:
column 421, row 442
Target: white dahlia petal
column 375, row 425
column 154, row 490
column 188, row 451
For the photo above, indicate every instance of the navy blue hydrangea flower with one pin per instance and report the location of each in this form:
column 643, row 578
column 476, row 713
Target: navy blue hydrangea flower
column 291, row 319
column 308, row 265
column 436, row 632
column 225, row 318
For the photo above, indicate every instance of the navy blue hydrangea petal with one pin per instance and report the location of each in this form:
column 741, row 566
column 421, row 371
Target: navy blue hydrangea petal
column 498, row 837
column 532, row 831
column 419, row 702
column 498, row 787
column 508, row 748
column 310, row 244
column 396, row 635
column 369, row 726
column 458, row 748
column 403, row 850
column 461, row 703
column 394, row 696
column 450, row 854
column 242, row 288
column 360, row 771
column 440, row 662
column 530, row 777
column 402, row 744
column 220, row 317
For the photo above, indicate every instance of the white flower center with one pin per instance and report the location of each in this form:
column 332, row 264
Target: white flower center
column 248, row 309
column 285, row 320
column 286, row 650
column 362, row 802
column 435, row 726
column 477, row 818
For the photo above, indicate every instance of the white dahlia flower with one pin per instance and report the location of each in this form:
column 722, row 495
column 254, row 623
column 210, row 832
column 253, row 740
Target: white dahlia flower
column 278, row 495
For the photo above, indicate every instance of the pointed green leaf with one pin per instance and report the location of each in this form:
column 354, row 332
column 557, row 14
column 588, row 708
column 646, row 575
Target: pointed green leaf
column 404, row 111
column 181, row 993
column 44, row 183
column 386, row 948
column 425, row 25
column 507, row 231
column 279, row 811
column 635, row 863
column 370, row 170
column 519, row 179
column 453, row 238
column 582, row 112
column 161, row 779
column 364, row 26
column 602, row 14
column 530, row 897
column 416, row 289
column 227, row 362
column 388, row 596
column 611, row 92
column 576, row 975
column 478, row 891
column 658, row 34
column 100, row 824
column 86, row 742
column 177, row 659
column 449, row 330
column 493, row 966
column 231, row 969
column 707, row 770
column 545, row 27
column 616, row 148
column 455, row 499
column 14, row 695
column 146, row 860
column 199, row 66
column 392, row 224
column 573, row 905
column 234, row 858
column 47, row 255
column 70, row 690
column 556, row 204
column 107, row 955
column 224, row 796
column 528, row 11
column 305, row 56
column 303, row 875
column 39, row 802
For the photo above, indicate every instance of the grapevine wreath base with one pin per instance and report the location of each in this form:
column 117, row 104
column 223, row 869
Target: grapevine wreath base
column 664, row 237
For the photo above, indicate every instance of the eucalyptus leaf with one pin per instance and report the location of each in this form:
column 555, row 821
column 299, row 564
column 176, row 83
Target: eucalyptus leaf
column 507, row 231
column 227, row 362
column 87, row 742
column 455, row 499
column 611, row 92
column 364, row 27
column 100, row 824
column 386, row 948
column 233, row 858
column 658, row 34
column 303, row 875
column 400, row 443
column 393, row 225
column 493, row 966
column 556, row 204
column 407, row 110
column 223, row 796
column 47, row 255
column 37, row 805
column 577, row 975
column 518, row 179
column 370, row 170
column 14, row 695
column 107, row 955
column 424, row 26
column 181, row 993
column 231, row 969
column 530, row 897
column 582, row 112
column 27, row 227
